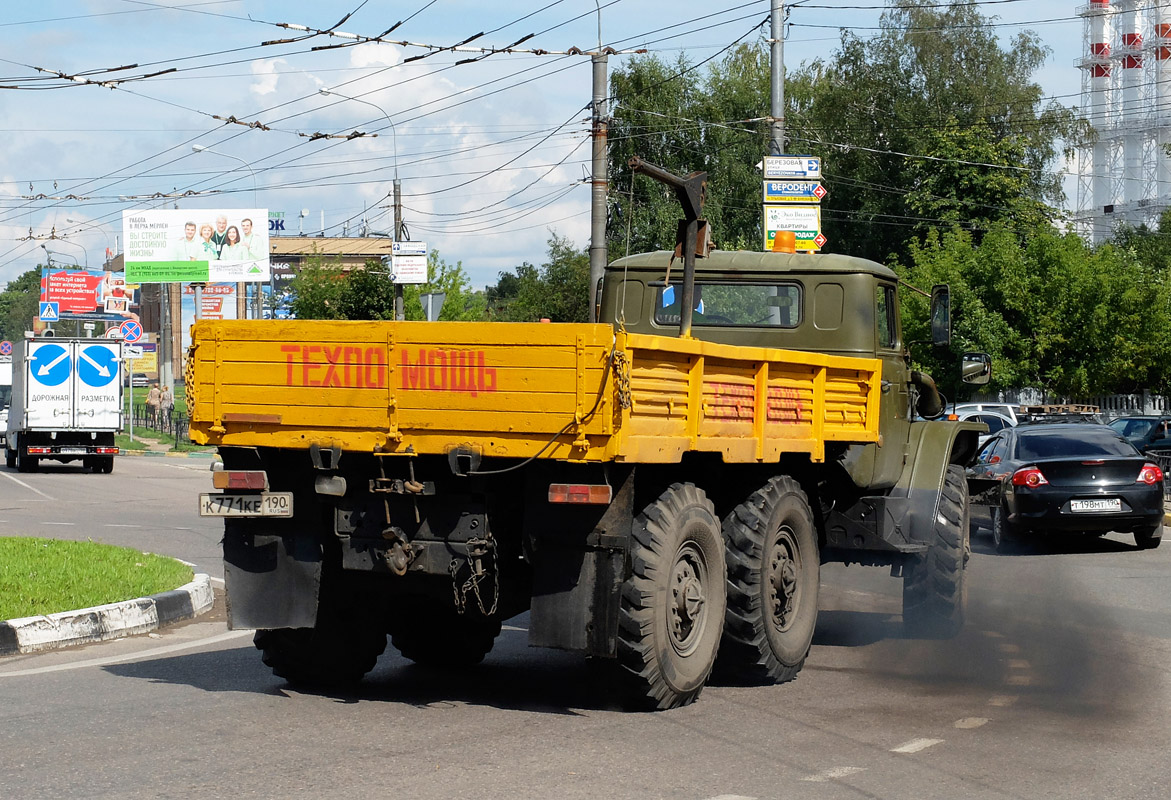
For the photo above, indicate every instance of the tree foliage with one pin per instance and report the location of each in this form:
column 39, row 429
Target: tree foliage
column 19, row 305
column 558, row 290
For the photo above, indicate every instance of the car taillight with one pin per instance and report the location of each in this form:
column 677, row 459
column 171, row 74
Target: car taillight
column 1150, row 475
column 107, row 451
column 1030, row 477
column 590, row 494
column 38, row 451
column 240, row 479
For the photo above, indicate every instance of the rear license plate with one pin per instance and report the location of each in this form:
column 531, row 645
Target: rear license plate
column 268, row 504
column 1109, row 504
column 72, row 451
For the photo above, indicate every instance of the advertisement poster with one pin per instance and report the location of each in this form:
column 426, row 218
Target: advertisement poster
column 89, row 294
column 177, row 246
column 804, row 221
column 219, row 302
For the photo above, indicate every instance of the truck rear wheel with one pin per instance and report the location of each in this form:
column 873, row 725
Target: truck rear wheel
column 440, row 637
column 9, row 458
column 672, row 606
column 773, row 583
column 934, row 592
column 338, row 651
column 26, row 463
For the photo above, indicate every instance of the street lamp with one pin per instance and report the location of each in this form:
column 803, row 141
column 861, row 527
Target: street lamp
column 98, row 228
column 75, row 244
column 50, row 253
column 399, row 312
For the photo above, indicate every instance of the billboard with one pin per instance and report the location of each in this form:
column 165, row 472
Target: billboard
column 169, row 246
column 89, row 294
column 219, row 302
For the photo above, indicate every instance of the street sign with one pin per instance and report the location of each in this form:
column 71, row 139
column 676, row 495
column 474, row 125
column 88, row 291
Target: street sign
column 409, row 262
column 132, row 351
column 781, row 167
column 5, row 348
column 113, row 333
column 97, row 364
column 804, row 221
column 50, row 312
column 409, row 248
column 131, row 330
column 51, row 365
column 796, row 191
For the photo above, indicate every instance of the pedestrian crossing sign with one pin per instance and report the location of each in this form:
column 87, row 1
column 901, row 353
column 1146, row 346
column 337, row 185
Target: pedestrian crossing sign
column 50, row 311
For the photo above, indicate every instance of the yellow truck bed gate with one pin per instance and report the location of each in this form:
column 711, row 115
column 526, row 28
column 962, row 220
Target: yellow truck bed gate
column 578, row 392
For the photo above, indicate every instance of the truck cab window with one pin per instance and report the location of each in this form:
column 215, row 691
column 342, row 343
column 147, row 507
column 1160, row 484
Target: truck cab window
column 886, row 314
column 734, row 304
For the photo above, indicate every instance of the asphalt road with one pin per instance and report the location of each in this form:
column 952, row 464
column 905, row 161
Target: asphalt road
column 1057, row 688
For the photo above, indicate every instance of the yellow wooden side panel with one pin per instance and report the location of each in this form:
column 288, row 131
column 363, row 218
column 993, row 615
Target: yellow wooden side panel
column 749, row 404
column 504, row 389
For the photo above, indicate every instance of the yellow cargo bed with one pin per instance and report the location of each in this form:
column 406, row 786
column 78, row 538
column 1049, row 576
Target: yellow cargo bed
column 578, row 392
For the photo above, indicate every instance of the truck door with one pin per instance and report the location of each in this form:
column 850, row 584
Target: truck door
column 894, row 416
column 48, row 388
column 97, row 384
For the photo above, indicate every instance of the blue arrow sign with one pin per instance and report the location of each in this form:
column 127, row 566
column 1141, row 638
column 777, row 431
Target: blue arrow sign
column 51, row 365
column 97, row 365
column 50, row 312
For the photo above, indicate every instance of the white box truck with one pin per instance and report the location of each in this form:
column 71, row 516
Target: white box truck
column 66, row 402
column 5, row 391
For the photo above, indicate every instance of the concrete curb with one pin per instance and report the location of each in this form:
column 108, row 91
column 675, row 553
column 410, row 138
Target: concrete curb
column 111, row 621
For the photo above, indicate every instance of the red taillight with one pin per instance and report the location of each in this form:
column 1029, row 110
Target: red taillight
column 254, row 479
column 107, row 451
column 591, row 494
column 37, row 451
column 1030, row 477
column 1150, row 475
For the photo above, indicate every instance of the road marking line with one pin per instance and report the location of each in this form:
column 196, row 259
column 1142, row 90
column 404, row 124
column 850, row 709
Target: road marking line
column 731, row 797
column 993, row 634
column 1007, row 647
column 25, row 485
column 58, row 523
column 1018, row 663
column 832, row 774
column 968, row 723
column 915, row 745
column 1002, row 700
column 512, row 628
column 1019, row 680
column 145, row 654
column 118, row 525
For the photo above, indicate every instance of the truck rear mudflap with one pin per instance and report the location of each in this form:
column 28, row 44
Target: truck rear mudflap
column 272, row 577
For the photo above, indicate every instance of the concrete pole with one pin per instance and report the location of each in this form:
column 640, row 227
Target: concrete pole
column 776, row 141
column 400, row 312
column 601, row 179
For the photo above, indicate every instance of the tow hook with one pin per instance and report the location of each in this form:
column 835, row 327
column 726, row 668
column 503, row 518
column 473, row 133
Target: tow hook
column 399, row 555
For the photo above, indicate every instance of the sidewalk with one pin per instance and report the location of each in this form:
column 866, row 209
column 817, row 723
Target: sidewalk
column 111, row 621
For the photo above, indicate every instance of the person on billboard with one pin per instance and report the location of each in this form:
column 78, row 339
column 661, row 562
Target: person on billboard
column 220, row 237
column 233, row 249
column 211, row 252
column 189, row 248
column 251, row 241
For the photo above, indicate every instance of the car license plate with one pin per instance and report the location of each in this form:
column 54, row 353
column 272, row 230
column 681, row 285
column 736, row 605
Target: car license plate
column 1106, row 504
column 268, row 504
column 72, row 451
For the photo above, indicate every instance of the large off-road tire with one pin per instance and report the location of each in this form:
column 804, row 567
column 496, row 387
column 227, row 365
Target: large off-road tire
column 934, row 591
column 1005, row 537
column 773, row 581
column 440, row 637
column 1149, row 538
column 672, row 607
column 337, row 652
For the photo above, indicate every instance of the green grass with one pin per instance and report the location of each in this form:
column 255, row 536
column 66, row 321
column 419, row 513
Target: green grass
column 122, row 442
column 43, row 576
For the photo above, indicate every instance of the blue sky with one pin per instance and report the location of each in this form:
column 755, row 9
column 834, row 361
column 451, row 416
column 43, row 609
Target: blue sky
column 491, row 154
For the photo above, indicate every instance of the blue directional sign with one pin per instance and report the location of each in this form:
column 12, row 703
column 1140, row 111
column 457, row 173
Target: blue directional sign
column 97, row 365
column 50, row 312
column 51, row 365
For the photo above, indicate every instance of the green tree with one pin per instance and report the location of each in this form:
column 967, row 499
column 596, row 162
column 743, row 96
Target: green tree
column 461, row 302
column 18, row 304
column 316, row 289
column 367, row 293
column 558, row 290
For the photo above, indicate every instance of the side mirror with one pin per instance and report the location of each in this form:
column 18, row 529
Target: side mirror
column 976, row 368
column 940, row 315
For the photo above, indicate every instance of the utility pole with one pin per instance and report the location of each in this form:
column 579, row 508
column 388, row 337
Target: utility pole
column 400, row 312
column 776, row 142
column 600, row 180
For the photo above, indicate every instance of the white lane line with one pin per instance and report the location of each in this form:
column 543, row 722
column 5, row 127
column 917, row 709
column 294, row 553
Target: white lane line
column 58, row 523
column 1018, row 663
column 731, row 797
column 117, row 525
column 1019, row 680
column 967, row 723
column 33, row 489
column 1008, row 647
column 512, row 628
column 832, row 774
column 145, row 654
column 1002, row 700
column 992, row 634
column 915, row 745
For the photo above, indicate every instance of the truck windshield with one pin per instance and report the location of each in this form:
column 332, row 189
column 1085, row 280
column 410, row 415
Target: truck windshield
column 739, row 304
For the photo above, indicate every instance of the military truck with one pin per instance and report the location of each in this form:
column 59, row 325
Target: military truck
column 658, row 489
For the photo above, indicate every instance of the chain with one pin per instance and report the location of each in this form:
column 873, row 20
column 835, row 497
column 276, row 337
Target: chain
column 622, row 378
column 475, row 578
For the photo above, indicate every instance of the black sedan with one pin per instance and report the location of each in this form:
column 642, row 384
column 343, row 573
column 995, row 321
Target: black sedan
column 1066, row 477
column 1145, row 432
